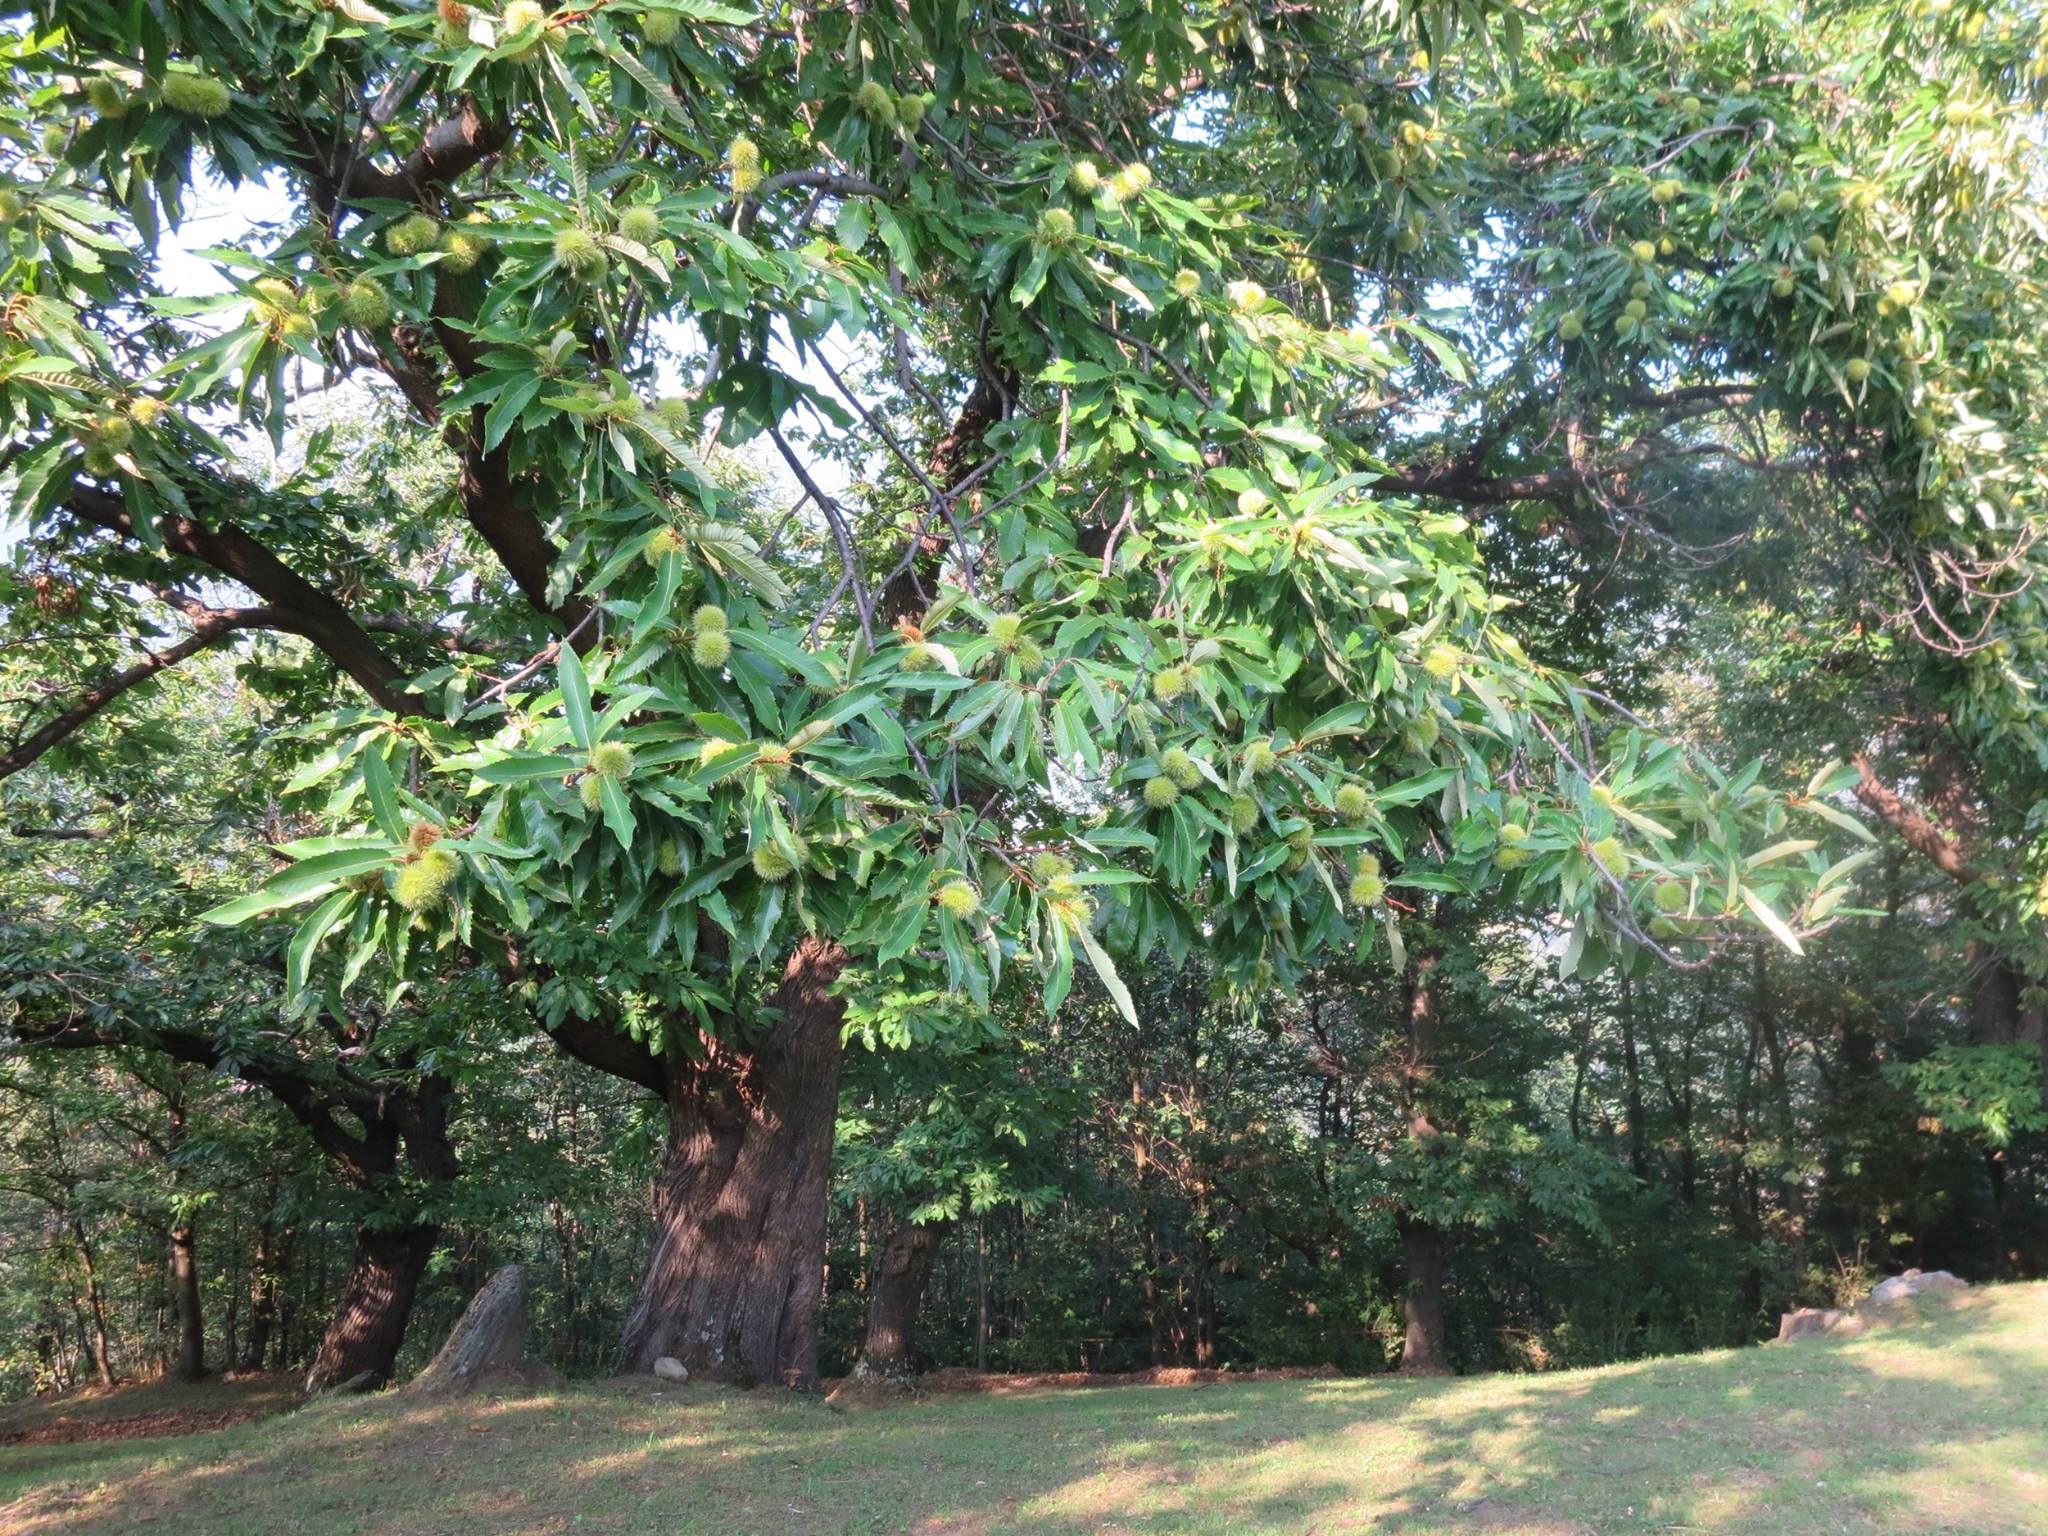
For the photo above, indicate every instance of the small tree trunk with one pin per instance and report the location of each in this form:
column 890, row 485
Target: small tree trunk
column 190, row 1364
column 264, row 1269
column 361, row 1344
column 738, row 1268
column 889, row 1351
column 96, row 1305
column 1632, row 1076
column 981, row 1295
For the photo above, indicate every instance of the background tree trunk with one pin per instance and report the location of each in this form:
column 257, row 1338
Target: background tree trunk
column 190, row 1364
column 1423, row 1351
column 738, row 1269
column 96, row 1305
column 888, row 1352
column 269, row 1259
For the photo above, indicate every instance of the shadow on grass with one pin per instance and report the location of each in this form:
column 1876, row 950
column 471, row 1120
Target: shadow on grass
column 1940, row 1424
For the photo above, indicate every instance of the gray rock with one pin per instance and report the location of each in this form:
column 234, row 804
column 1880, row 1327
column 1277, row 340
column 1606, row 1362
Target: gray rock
column 668, row 1368
column 1915, row 1283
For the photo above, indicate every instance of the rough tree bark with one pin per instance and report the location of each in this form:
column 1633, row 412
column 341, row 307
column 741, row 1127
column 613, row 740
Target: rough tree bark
column 361, row 1343
column 888, row 1352
column 1423, row 1351
column 738, row 1269
column 1423, row 1348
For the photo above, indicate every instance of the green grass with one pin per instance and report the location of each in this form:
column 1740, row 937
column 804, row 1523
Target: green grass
column 1937, row 1425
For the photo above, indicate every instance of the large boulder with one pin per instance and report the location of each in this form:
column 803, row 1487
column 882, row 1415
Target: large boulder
column 487, row 1346
column 1915, row 1283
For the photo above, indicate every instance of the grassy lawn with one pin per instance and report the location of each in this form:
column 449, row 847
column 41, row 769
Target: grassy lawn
column 1937, row 1425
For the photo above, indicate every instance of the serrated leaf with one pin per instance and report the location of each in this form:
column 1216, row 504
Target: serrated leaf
column 306, row 942
column 575, row 684
column 1841, row 819
column 1105, row 968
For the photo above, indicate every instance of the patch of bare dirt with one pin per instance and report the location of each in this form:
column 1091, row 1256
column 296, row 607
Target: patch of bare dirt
column 140, row 1426
column 139, row 1410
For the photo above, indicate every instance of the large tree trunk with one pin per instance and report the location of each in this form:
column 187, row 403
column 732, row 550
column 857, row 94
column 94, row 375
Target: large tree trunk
column 191, row 1360
column 362, row 1342
column 738, row 1268
column 888, row 1353
column 1423, row 1350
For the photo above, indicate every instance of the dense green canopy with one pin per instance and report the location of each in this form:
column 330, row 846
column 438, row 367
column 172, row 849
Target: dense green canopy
column 1175, row 333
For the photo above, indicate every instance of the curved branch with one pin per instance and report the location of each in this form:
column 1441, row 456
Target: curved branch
column 596, row 1044
column 449, row 149
column 299, row 607
column 219, row 625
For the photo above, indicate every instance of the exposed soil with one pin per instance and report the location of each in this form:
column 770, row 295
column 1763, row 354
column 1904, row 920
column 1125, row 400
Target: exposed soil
column 176, row 1421
column 142, row 1410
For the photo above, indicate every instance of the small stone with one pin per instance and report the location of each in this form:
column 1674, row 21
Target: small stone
column 668, row 1368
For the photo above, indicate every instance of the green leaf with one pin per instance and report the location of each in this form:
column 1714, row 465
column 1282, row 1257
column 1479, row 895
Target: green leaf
column 1841, row 819
column 518, row 767
column 576, row 697
column 299, row 953
column 1105, row 968
column 301, row 882
column 1771, row 920
column 383, row 793
column 618, row 810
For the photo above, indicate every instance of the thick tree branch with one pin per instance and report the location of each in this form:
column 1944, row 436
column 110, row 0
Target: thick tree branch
column 300, row 607
column 906, row 591
column 514, row 533
column 596, row 1044
column 216, row 626
column 1457, row 484
column 307, row 1101
column 450, row 149
column 1920, row 832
